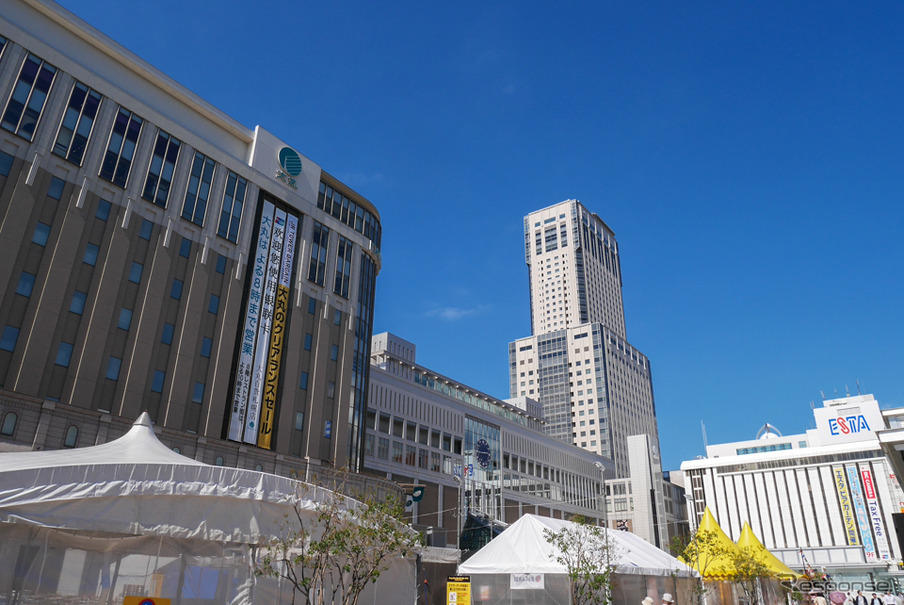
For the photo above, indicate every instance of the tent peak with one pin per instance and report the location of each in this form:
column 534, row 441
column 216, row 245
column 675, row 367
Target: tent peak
column 144, row 420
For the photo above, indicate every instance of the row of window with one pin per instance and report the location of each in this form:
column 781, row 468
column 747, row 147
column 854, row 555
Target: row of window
column 23, row 112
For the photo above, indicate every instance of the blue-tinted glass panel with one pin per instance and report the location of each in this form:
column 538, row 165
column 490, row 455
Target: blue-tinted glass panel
column 27, row 100
column 55, row 189
column 26, row 284
column 9, row 339
column 308, row 341
column 206, row 346
column 64, row 354
column 157, row 382
column 125, row 319
column 78, row 121
column 221, row 264
column 161, row 169
column 303, row 383
column 147, row 227
column 91, row 252
column 135, row 273
column 77, row 305
column 198, row 192
column 6, row 163
column 103, row 210
column 334, row 352
column 176, row 290
column 167, row 336
column 185, row 247
column 198, row 393
column 42, row 233
column 214, row 305
column 113, row 367
column 233, row 202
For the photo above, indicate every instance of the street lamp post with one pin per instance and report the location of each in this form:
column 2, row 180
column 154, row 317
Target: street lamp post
column 458, row 481
column 602, row 470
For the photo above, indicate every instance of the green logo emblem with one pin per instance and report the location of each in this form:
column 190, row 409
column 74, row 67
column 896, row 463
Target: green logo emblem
column 290, row 162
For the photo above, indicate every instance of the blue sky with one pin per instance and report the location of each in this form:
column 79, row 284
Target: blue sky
column 748, row 156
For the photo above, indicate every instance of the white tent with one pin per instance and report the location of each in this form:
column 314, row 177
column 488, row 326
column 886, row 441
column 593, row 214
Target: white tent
column 640, row 569
column 153, row 513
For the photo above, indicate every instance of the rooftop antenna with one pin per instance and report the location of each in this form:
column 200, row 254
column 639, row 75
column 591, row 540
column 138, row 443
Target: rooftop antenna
column 847, row 391
column 812, row 405
column 858, row 388
column 703, row 428
column 823, row 395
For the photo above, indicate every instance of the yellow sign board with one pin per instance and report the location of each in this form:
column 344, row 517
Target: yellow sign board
column 145, row 601
column 458, row 590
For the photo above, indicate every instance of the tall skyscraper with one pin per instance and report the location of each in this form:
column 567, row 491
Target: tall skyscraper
column 595, row 387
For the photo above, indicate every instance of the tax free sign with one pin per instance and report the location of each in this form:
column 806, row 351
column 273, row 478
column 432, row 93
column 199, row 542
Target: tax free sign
column 848, row 423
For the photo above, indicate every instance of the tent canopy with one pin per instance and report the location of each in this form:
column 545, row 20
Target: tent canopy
column 714, row 563
column 136, row 485
column 749, row 540
column 523, row 548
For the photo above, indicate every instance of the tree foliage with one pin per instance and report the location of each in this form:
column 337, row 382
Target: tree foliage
column 335, row 546
column 699, row 550
column 748, row 566
column 588, row 555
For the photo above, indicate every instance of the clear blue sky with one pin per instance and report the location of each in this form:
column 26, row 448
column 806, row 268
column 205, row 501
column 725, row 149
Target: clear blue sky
column 749, row 157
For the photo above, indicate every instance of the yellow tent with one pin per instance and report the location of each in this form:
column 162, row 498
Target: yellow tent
column 749, row 540
column 714, row 566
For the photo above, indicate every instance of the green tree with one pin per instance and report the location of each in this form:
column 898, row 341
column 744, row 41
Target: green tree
column 699, row 550
column 748, row 566
column 335, row 546
column 588, row 555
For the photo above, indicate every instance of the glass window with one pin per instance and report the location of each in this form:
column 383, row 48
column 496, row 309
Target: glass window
column 77, row 305
column 55, row 189
column 91, row 252
column 312, row 306
column 135, row 273
column 103, row 210
column 160, row 171
column 221, row 264
column 64, row 354
column 198, row 189
column 331, row 390
column 185, row 247
column 71, row 439
column 113, row 368
column 337, row 317
column 157, row 382
column 125, row 319
column 299, row 421
column 6, row 163
column 308, row 341
column 198, row 393
column 334, row 352
column 77, row 124
column 176, row 290
column 23, row 110
column 233, row 203
column 147, row 227
column 319, row 244
column 167, row 336
column 26, row 284
column 214, row 305
column 9, row 339
column 9, row 423
column 206, row 346
column 303, row 383
column 121, row 147
column 42, row 233
column 343, row 267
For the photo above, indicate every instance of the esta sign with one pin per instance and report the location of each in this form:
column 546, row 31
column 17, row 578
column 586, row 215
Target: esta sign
column 845, row 425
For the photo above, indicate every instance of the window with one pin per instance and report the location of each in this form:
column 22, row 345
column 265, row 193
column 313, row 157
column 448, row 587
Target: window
column 160, row 172
column 198, row 393
column 42, row 233
column 334, row 352
column 185, row 247
column 9, row 423
column 55, row 189
column 312, row 306
column 214, row 305
column 176, row 290
column 91, row 252
column 135, row 273
column 167, row 336
column 26, row 284
column 218, row 461
column 206, row 346
column 77, row 305
column 331, row 390
column 78, row 121
column 319, row 244
column 343, row 267
column 157, row 382
column 121, row 147
column 233, row 202
column 113, row 367
column 198, row 189
column 147, row 227
column 221, row 264
column 303, row 383
column 125, row 319
column 9, row 339
column 103, row 210
column 64, row 354
column 308, row 341
column 337, row 317
column 6, row 163
column 71, row 439
column 27, row 100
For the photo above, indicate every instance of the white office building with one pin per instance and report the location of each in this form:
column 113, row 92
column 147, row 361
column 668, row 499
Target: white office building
column 826, row 498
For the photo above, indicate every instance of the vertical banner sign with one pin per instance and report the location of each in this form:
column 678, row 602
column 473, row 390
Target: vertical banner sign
column 875, row 516
column 277, row 336
column 249, row 331
column 847, row 507
column 866, row 535
column 458, row 590
column 271, row 278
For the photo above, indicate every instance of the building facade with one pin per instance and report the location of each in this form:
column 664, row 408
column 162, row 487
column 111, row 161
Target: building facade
column 160, row 256
column 827, row 498
column 474, row 454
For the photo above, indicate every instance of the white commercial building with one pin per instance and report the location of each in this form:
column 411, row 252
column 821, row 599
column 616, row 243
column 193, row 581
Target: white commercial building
column 826, row 498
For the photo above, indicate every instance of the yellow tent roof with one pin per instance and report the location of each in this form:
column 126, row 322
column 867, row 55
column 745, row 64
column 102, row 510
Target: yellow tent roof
column 718, row 565
column 749, row 540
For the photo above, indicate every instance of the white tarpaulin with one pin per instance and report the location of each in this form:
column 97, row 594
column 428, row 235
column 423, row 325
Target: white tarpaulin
column 523, row 549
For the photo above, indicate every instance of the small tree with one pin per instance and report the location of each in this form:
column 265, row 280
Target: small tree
column 336, row 546
column 699, row 550
column 588, row 555
column 748, row 566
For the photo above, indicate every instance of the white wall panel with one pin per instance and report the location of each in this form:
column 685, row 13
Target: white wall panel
column 832, row 506
column 775, row 511
column 810, row 533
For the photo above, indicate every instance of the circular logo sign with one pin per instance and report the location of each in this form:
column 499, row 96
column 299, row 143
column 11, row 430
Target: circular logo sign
column 290, row 161
column 483, row 453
